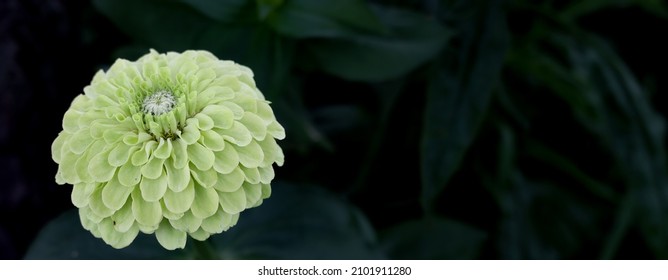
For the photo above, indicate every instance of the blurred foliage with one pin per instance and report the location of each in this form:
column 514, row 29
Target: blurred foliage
column 426, row 129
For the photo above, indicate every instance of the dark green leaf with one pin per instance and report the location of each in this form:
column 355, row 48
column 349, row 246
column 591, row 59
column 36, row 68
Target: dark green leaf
column 458, row 98
column 225, row 11
column 581, row 8
column 292, row 113
column 542, row 221
column 270, row 56
column 324, row 18
column 300, row 222
column 413, row 40
column 570, row 169
column 266, row 7
column 433, row 238
column 65, row 238
column 227, row 42
column 607, row 100
column 160, row 24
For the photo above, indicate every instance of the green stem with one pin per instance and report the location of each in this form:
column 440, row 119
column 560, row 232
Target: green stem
column 204, row 250
column 619, row 229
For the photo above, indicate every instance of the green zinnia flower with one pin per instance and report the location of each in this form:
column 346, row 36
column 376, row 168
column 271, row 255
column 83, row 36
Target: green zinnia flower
column 174, row 144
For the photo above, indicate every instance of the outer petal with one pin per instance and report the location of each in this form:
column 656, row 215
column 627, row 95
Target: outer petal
column 146, row 213
column 226, row 160
column 250, row 155
column 153, row 189
column 123, row 219
column 202, row 157
column 177, row 178
column 169, row 237
column 205, row 203
column 81, row 193
column 187, row 223
column 180, row 202
column 114, row 194
column 230, row 182
column 233, row 202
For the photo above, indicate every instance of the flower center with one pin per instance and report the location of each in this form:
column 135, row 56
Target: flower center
column 158, row 103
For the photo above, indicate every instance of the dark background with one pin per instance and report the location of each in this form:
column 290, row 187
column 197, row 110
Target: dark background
column 445, row 129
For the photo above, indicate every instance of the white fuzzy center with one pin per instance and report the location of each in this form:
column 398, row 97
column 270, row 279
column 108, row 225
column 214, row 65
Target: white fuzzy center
column 158, row 103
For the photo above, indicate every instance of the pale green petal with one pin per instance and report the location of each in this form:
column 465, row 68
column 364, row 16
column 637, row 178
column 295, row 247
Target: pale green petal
column 179, row 202
column 59, row 177
column 169, row 237
column 226, row 160
column 83, row 218
column 206, row 178
column 237, row 134
column 200, row 235
column 164, row 149
column 100, row 169
column 252, row 174
column 112, row 136
column 177, row 179
column 80, row 141
column 70, row 121
column 190, row 133
column 217, row 223
column 230, row 182
column 219, row 92
column 250, row 155
column 92, row 216
column 83, row 162
column 235, row 219
column 153, row 168
column 57, row 146
column 237, row 111
column 233, row 202
column 123, row 219
column 222, row 116
column 272, row 152
column 204, row 122
column 136, row 139
column 81, row 193
column 187, row 223
column 115, row 238
column 212, row 140
column 169, row 214
column 129, row 175
column 146, row 229
column 97, row 205
column 266, row 191
column 246, row 101
column 67, row 167
column 81, row 168
column 121, row 154
column 146, row 213
column 276, row 130
column 205, row 76
column 265, row 112
column 205, row 203
column 114, row 194
column 153, row 189
column 180, row 154
column 253, row 193
column 98, row 127
column 266, row 174
column 202, row 157
column 255, row 125
column 140, row 157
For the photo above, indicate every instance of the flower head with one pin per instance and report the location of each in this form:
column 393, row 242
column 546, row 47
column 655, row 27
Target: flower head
column 174, row 144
